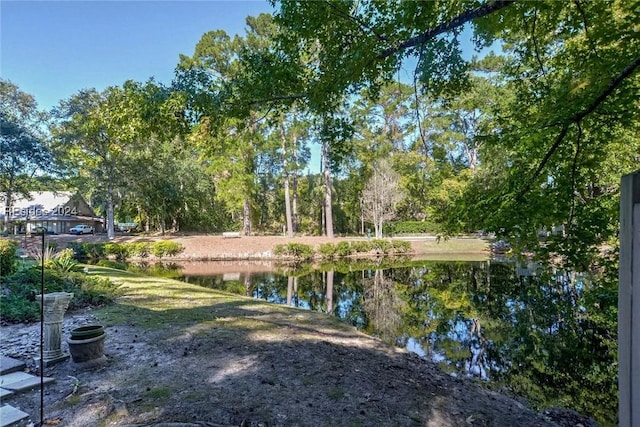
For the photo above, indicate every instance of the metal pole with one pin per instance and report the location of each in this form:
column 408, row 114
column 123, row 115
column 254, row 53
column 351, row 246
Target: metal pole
column 629, row 302
column 42, row 333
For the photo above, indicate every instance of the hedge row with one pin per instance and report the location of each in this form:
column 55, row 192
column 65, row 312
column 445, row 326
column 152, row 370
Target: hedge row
column 410, row 227
column 343, row 249
column 123, row 251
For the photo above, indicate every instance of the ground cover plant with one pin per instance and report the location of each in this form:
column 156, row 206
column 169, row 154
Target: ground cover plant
column 18, row 302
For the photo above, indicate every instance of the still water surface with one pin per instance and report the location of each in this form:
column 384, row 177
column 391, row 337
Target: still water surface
column 542, row 333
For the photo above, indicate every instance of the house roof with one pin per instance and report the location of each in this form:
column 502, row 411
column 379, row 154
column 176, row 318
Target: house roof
column 50, row 205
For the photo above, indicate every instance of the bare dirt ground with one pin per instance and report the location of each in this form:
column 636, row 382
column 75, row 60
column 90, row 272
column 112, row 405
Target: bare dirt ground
column 264, row 368
column 211, row 360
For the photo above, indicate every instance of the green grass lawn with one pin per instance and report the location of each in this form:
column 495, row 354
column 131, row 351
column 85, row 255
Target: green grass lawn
column 456, row 245
column 157, row 302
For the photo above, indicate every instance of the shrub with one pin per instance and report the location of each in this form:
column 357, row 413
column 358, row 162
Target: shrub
column 18, row 304
column 63, row 261
column 327, row 250
column 120, row 250
column 400, row 246
column 84, row 251
column 79, row 251
column 140, row 249
column 166, row 247
column 65, row 254
column 7, row 257
column 343, row 249
column 19, row 308
column 294, row 250
column 410, row 227
column 41, row 256
column 280, row 250
column 380, row 246
column 361, row 246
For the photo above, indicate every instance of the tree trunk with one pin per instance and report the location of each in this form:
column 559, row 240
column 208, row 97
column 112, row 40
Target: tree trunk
column 294, row 201
column 147, row 221
column 327, row 189
column 330, row 292
column 111, row 233
column 246, row 214
column 7, row 208
column 361, row 218
column 163, row 224
column 289, row 290
column 247, row 284
column 287, row 195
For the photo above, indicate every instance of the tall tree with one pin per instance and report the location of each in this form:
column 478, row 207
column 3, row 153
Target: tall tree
column 293, row 130
column 228, row 130
column 381, row 195
column 573, row 71
column 24, row 150
column 98, row 134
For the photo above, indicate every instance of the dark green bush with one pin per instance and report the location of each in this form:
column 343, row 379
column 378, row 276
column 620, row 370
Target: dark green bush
column 166, row 248
column 15, row 305
column 85, row 251
column 410, row 227
column 380, row 246
column 95, row 250
column 79, row 251
column 280, row 250
column 343, row 249
column 140, row 249
column 361, row 246
column 7, row 257
column 16, row 308
column 327, row 250
column 294, row 250
column 119, row 250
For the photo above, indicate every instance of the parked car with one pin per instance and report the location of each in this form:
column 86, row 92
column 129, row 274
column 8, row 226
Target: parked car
column 81, row 229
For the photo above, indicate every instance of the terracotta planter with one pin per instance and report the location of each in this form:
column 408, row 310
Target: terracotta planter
column 85, row 350
column 86, row 332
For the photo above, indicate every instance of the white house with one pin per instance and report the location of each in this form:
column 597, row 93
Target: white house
column 58, row 211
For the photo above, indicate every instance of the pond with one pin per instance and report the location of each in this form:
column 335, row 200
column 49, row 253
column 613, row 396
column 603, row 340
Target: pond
column 534, row 331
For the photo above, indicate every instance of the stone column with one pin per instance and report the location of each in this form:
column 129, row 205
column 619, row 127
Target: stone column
column 55, row 304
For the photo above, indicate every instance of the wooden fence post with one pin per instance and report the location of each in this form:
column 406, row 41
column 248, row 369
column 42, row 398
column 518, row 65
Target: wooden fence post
column 629, row 302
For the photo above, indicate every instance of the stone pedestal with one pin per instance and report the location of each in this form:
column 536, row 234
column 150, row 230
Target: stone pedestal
column 55, row 304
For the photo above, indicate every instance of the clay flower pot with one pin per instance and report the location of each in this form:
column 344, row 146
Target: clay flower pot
column 86, row 332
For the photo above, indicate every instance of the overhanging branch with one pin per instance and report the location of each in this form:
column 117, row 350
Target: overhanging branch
column 463, row 18
column 578, row 117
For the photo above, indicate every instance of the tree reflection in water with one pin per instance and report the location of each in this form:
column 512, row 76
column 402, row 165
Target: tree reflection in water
column 545, row 334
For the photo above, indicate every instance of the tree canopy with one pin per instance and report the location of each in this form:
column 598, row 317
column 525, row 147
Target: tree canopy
column 24, row 150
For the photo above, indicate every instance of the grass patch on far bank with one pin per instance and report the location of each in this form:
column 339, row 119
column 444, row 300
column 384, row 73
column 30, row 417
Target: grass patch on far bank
column 456, row 245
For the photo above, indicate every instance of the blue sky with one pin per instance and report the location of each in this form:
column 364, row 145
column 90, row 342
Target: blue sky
column 52, row 49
